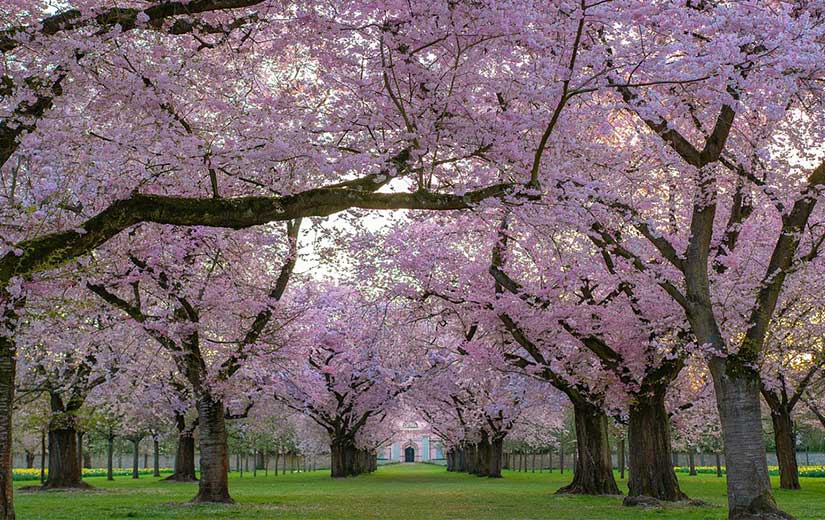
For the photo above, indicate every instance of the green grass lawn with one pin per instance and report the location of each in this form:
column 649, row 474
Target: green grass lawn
column 402, row 492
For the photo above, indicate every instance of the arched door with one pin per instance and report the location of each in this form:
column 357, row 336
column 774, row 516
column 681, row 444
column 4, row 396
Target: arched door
column 409, row 454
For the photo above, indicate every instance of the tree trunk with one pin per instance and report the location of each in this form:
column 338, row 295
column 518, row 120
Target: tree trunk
column 650, row 457
column 785, row 439
column 260, row 456
column 593, row 473
column 738, row 401
column 64, row 462
column 718, row 465
column 156, row 452
column 42, row 456
column 80, row 435
column 184, row 459
column 136, row 458
column 29, row 459
column 344, row 454
column 7, row 372
column 691, row 463
column 110, row 448
column 622, row 462
column 494, row 457
column 561, row 459
column 214, row 483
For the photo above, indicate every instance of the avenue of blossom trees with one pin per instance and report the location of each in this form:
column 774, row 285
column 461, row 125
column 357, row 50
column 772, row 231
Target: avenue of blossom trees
column 502, row 216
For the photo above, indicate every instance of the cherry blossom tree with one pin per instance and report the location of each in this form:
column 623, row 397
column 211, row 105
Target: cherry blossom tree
column 344, row 366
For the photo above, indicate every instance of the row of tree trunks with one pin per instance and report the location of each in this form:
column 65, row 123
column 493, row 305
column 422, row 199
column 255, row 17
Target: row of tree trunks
column 349, row 460
column 484, row 458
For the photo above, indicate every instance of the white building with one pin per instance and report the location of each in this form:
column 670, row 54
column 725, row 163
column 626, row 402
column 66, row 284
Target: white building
column 414, row 442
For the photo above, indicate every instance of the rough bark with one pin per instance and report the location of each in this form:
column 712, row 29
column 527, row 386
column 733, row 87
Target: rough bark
column 184, row 459
column 593, row 473
column 650, row 457
column 496, row 448
column 7, row 373
column 214, row 482
column 785, row 439
column 450, row 460
column 749, row 486
column 55, row 249
column 64, row 462
column 486, row 456
column 344, row 454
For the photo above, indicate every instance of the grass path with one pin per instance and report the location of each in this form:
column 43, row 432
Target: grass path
column 400, row 492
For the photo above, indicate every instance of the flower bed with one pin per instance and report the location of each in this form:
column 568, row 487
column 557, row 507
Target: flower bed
column 22, row 474
column 804, row 471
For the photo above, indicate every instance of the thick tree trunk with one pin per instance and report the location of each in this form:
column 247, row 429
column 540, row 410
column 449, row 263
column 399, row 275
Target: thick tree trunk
column 486, row 456
column 651, row 469
column 184, row 459
column 785, row 439
column 495, row 458
column 482, row 457
column 344, row 454
column 7, row 373
column 593, row 473
column 64, row 462
column 214, row 482
column 110, row 448
column 471, row 458
column 738, row 401
column 691, row 463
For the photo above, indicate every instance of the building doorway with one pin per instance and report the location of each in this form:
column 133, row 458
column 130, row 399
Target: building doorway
column 409, row 454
